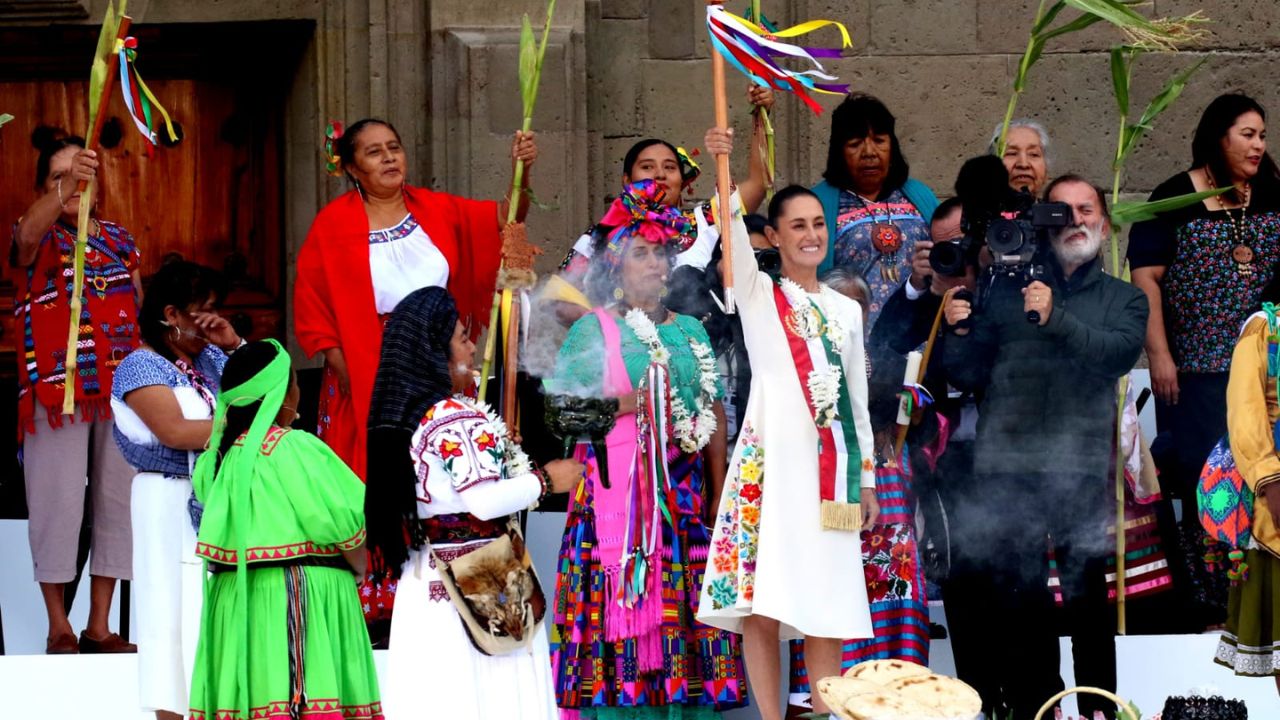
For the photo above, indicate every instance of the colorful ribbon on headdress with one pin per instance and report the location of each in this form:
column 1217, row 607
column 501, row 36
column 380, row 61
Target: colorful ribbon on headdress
column 332, row 134
column 916, row 397
column 689, row 170
column 639, row 212
column 755, row 51
column 138, row 98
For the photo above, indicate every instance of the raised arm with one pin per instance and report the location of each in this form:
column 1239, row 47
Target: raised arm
column 44, row 212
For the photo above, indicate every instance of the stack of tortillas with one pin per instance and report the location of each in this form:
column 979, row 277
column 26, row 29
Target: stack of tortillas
column 898, row 690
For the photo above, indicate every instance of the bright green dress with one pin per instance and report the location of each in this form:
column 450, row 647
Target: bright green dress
column 308, row 652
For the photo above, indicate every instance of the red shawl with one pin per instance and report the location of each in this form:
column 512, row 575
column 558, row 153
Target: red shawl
column 333, row 292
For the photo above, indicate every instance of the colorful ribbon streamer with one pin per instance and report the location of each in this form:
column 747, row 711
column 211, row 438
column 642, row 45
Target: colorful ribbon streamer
column 755, row 52
column 138, row 98
column 916, row 397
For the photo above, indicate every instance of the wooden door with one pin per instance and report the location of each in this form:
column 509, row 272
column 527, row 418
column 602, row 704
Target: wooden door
column 213, row 199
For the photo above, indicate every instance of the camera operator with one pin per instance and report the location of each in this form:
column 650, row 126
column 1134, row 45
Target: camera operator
column 1044, row 441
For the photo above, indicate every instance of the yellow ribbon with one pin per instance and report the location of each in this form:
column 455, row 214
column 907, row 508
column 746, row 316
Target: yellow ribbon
column 803, row 28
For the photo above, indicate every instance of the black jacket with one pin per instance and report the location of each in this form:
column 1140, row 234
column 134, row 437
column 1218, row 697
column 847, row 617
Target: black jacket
column 1050, row 392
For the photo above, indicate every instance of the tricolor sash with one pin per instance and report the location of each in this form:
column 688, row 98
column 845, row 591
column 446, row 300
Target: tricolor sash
column 839, row 456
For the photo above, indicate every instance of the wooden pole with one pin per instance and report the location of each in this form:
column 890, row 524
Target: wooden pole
column 87, row 190
column 901, row 439
column 723, row 182
column 510, row 361
column 1122, row 394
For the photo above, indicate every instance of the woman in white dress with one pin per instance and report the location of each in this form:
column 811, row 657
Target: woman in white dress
column 447, row 477
column 786, row 555
column 163, row 399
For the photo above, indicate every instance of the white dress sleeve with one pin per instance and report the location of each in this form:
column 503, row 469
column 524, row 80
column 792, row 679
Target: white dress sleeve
column 463, row 443
column 699, row 253
column 749, row 284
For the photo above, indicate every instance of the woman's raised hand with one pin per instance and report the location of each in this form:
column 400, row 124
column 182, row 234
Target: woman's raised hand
column 718, row 141
column 761, row 97
column 524, row 148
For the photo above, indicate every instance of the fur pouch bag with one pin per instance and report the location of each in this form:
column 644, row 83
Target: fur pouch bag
column 496, row 593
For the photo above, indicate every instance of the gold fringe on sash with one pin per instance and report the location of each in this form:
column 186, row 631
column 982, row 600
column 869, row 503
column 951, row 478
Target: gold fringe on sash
column 841, row 516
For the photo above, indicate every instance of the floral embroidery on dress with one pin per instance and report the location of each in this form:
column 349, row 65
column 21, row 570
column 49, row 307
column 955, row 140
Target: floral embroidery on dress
column 733, row 555
column 1206, row 299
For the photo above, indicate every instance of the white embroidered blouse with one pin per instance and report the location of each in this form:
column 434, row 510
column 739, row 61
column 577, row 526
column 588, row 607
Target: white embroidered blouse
column 465, row 465
column 403, row 259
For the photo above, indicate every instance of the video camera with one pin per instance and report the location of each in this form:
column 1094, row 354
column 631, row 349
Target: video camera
column 1011, row 224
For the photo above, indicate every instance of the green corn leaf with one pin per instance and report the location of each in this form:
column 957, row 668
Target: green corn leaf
column 5, row 118
column 106, row 45
column 1161, row 102
column 1131, row 212
column 1114, row 12
column 1047, row 19
column 1121, row 63
column 1076, row 25
column 528, row 66
column 1134, row 711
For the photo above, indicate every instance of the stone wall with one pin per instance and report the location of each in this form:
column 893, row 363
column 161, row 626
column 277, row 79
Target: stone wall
column 619, row 70
column 945, row 68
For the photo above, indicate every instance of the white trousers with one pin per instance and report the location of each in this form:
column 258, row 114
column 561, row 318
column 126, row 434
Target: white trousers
column 167, row 590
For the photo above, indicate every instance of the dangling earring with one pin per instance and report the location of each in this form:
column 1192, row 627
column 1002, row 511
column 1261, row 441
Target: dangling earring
column 618, row 294
column 664, row 291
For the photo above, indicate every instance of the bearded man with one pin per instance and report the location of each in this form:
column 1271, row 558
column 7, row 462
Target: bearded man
column 1042, row 452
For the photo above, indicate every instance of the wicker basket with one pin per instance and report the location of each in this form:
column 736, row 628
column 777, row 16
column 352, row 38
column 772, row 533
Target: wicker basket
column 1124, row 709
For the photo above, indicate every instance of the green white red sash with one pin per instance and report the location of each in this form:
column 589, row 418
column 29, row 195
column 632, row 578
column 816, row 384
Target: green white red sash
column 839, row 454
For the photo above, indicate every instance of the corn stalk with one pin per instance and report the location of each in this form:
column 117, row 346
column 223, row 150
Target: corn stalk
column 1163, row 34
column 766, row 124
column 115, row 25
column 1142, row 34
column 532, row 53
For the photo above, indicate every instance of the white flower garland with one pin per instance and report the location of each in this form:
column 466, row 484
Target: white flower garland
column 824, row 388
column 692, row 430
column 516, row 463
column 808, row 322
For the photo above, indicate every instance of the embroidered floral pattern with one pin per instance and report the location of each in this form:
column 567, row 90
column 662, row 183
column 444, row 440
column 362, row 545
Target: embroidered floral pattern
column 732, row 577
column 472, row 443
column 1206, row 298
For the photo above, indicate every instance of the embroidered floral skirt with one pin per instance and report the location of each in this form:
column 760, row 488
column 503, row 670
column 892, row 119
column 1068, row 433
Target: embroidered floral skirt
column 895, row 587
column 305, row 632
column 703, row 670
column 1251, row 643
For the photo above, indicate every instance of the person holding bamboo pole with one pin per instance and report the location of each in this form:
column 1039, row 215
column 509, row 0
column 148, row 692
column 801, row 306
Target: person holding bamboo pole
column 374, row 245
column 58, row 457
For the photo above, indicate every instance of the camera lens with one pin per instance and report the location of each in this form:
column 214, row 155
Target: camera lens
column 1005, row 237
column 947, row 258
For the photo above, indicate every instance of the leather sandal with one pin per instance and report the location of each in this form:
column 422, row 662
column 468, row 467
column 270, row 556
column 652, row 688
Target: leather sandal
column 109, row 645
column 63, row 644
